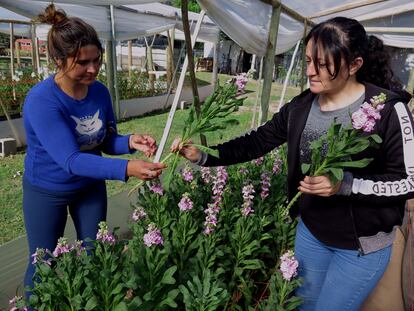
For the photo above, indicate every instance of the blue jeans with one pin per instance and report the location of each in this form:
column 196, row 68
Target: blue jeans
column 45, row 214
column 335, row 279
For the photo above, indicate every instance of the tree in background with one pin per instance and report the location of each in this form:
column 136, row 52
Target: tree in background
column 193, row 6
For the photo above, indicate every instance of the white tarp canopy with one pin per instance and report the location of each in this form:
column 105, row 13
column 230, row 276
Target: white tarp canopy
column 247, row 21
column 130, row 23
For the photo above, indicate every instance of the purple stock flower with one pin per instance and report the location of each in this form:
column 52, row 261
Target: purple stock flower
column 241, row 81
column 248, row 197
column 277, row 166
column 185, row 203
column 248, row 191
column 62, row 247
column 265, row 185
column 139, row 213
column 206, row 174
column 211, row 219
column 17, row 304
column 288, row 265
column 187, row 174
column 157, row 188
column 153, row 236
column 37, row 255
column 258, row 161
column 78, row 247
column 104, row 235
column 219, row 183
column 366, row 116
column 243, row 171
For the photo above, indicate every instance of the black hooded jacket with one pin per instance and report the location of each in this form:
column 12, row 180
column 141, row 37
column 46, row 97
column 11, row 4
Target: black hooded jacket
column 376, row 202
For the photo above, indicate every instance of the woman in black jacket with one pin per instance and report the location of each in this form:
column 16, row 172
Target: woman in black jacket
column 345, row 231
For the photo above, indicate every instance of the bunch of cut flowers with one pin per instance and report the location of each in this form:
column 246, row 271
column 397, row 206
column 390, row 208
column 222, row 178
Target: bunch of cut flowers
column 341, row 143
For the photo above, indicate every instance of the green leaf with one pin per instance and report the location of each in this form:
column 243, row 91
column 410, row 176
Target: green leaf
column 121, row 306
column 338, row 173
column 305, row 168
column 170, row 300
column 376, row 138
column 360, row 146
column 117, row 289
column 359, row 163
column 167, row 278
column 91, row 304
column 213, row 152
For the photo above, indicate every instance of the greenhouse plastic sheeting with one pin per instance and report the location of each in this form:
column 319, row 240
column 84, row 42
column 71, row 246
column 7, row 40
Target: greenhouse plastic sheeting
column 128, row 24
column 247, row 21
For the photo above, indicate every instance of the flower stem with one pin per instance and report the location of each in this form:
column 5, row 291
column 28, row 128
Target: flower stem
column 141, row 182
column 316, row 173
column 295, row 198
column 282, row 295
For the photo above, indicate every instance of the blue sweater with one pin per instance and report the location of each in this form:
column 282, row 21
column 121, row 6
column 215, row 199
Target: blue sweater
column 65, row 138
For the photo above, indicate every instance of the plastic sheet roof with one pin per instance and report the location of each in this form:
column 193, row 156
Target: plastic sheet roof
column 245, row 21
column 130, row 21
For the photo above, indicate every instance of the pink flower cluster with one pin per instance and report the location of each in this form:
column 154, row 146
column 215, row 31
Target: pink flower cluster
column 39, row 255
column 265, row 185
column 187, row 174
column 277, row 166
column 248, row 197
column 157, row 188
column 104, row 235
column 62, row 247
column 288, row 265
column 241, row 81
column 139, row 213
column 243, row 171
column 258, row 161
column 206, row 175
column 367, row 115
column 219, row 182
column 17, row 304
column 153, row 236
column 185, row 203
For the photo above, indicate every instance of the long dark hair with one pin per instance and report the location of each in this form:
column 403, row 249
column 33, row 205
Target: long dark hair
column 345, row 39
column 67, row 35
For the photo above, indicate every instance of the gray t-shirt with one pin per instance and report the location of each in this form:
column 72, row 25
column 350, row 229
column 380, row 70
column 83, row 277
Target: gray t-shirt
column 319, row 121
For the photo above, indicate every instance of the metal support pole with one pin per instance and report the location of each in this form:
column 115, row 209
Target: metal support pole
column 258, row 93
column 34, row 52
column 292, row 62
column 214, row 77
column 115, row 101
column 110, row 69
column 12, row 69
column 270, row 61
column 178, row 92
column 17, row 48
column 302, row 75
column 129, row 58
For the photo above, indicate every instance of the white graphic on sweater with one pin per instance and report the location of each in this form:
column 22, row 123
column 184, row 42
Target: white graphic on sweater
column 90, row 131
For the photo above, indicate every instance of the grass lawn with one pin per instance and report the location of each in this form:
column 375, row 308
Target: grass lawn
column 11, row 218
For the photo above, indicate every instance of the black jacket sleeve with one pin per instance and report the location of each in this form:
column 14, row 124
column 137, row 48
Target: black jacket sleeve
column 253, row 144
column 396, row 181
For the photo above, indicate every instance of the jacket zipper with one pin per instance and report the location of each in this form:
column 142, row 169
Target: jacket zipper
column 360, row 250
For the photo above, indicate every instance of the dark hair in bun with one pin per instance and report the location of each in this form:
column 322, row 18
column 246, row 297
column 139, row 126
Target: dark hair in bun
column 67, row 35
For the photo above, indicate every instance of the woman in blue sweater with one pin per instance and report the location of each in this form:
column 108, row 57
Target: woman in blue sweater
column 69, row 122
